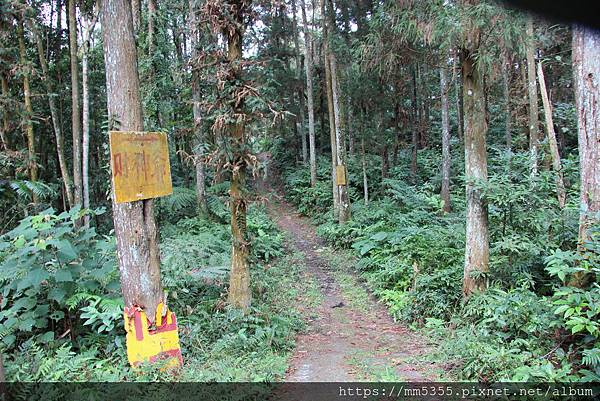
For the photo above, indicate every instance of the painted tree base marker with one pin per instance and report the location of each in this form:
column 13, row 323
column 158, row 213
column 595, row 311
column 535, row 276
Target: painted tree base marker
column 145, row 344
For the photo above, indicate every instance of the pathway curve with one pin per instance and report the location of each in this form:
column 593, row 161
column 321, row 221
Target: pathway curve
column 350, row 336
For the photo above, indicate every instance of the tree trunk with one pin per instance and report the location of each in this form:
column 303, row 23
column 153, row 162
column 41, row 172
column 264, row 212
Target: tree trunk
column 32, row 157
column 197, row 112
column 75, row 116
column 459, row 105
column 135, row 225
column 303, row 145
column 87, row 36
column 415, row 129
column 59, row 139
column 507, row 110
column 425, row 100
column 556, row 164
column 332, row 128
column 150, row 35
column 5, row 122
column 385, row 162
column 586, row 70
column 58, row 57
column 308, row 63
column 301, row 106
column 239, row 284
column 3, row 393
column 445, row 192
column 533, row 100
column 477, row 236
column 342, row 189
column 350, row 132
column 136, row 12
column 364, row 171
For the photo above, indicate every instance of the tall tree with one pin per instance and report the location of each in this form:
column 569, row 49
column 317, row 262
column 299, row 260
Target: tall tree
column 342, row 187
column 239, row 279
column 88, row 31
column 136, row 12
column 459, row 101
column 54, row 113
column 329, row 90
column 76, row 115
column 135, row 226
column 586, row 71
column 197, row 112
column 300, row 91
column 308, row 63
column 506, row 93
column 415, row 126
column 556, row 164
column 446, row 161
column 28, row 124
column 151, row 27
column 533, row 99
column 477, row 233
column 5, row 122
column 336, row 119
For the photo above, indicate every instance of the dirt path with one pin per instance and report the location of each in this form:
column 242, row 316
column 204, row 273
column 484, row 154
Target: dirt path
column 350, row 336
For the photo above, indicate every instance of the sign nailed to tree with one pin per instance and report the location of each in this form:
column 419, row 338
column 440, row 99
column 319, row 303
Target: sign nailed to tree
column 139, row 164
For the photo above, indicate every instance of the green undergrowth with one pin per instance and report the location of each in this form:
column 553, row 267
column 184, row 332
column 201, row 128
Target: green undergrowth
column 530, row 324
column 78, row 335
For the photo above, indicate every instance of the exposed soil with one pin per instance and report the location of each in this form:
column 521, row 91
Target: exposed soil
column 344, row 343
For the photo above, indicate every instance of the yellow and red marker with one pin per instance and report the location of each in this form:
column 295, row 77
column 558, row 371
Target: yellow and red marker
column 150, row 345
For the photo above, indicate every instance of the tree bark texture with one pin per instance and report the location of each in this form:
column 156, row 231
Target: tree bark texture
column 533, row 100
column 239, row 280
column 28, row 124
column 415, row 128
column 446, row 161
column 364, row 172
column 308, row 62
column 85, row 144
column 477, row 233
column 301, row 106
column 76, row 115
column 329, row 91
column 344, row 199
column 5, row 122
column 197, row 114
column 507, row 108
column 135, row 225
column 586, row 71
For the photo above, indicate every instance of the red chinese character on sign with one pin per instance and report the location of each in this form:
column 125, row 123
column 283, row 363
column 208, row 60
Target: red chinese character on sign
column 117, row 165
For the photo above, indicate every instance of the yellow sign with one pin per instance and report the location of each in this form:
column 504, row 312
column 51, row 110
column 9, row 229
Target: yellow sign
column 146, row 344
column 139, row 164
column 340, row 174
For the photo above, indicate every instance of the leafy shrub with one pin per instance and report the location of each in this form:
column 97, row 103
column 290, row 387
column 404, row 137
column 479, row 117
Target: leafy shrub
column 45, row 261
column 498, row 332
column 579, row 308
column 266, row 240
column 436, row 294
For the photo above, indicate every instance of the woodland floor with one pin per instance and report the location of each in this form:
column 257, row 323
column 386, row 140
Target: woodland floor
column 350, row 337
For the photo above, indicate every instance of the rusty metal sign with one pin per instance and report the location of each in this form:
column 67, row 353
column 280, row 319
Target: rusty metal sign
column 139, row 164
column 340, row 174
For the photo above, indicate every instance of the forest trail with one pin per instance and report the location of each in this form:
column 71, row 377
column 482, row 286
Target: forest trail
column 350, row 337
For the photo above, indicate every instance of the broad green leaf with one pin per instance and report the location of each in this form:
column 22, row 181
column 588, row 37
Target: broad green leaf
column 63, row 275
column 57, row 294
column 66, row 251
column 37, row 276
column 46, row 337
column 26, row 324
